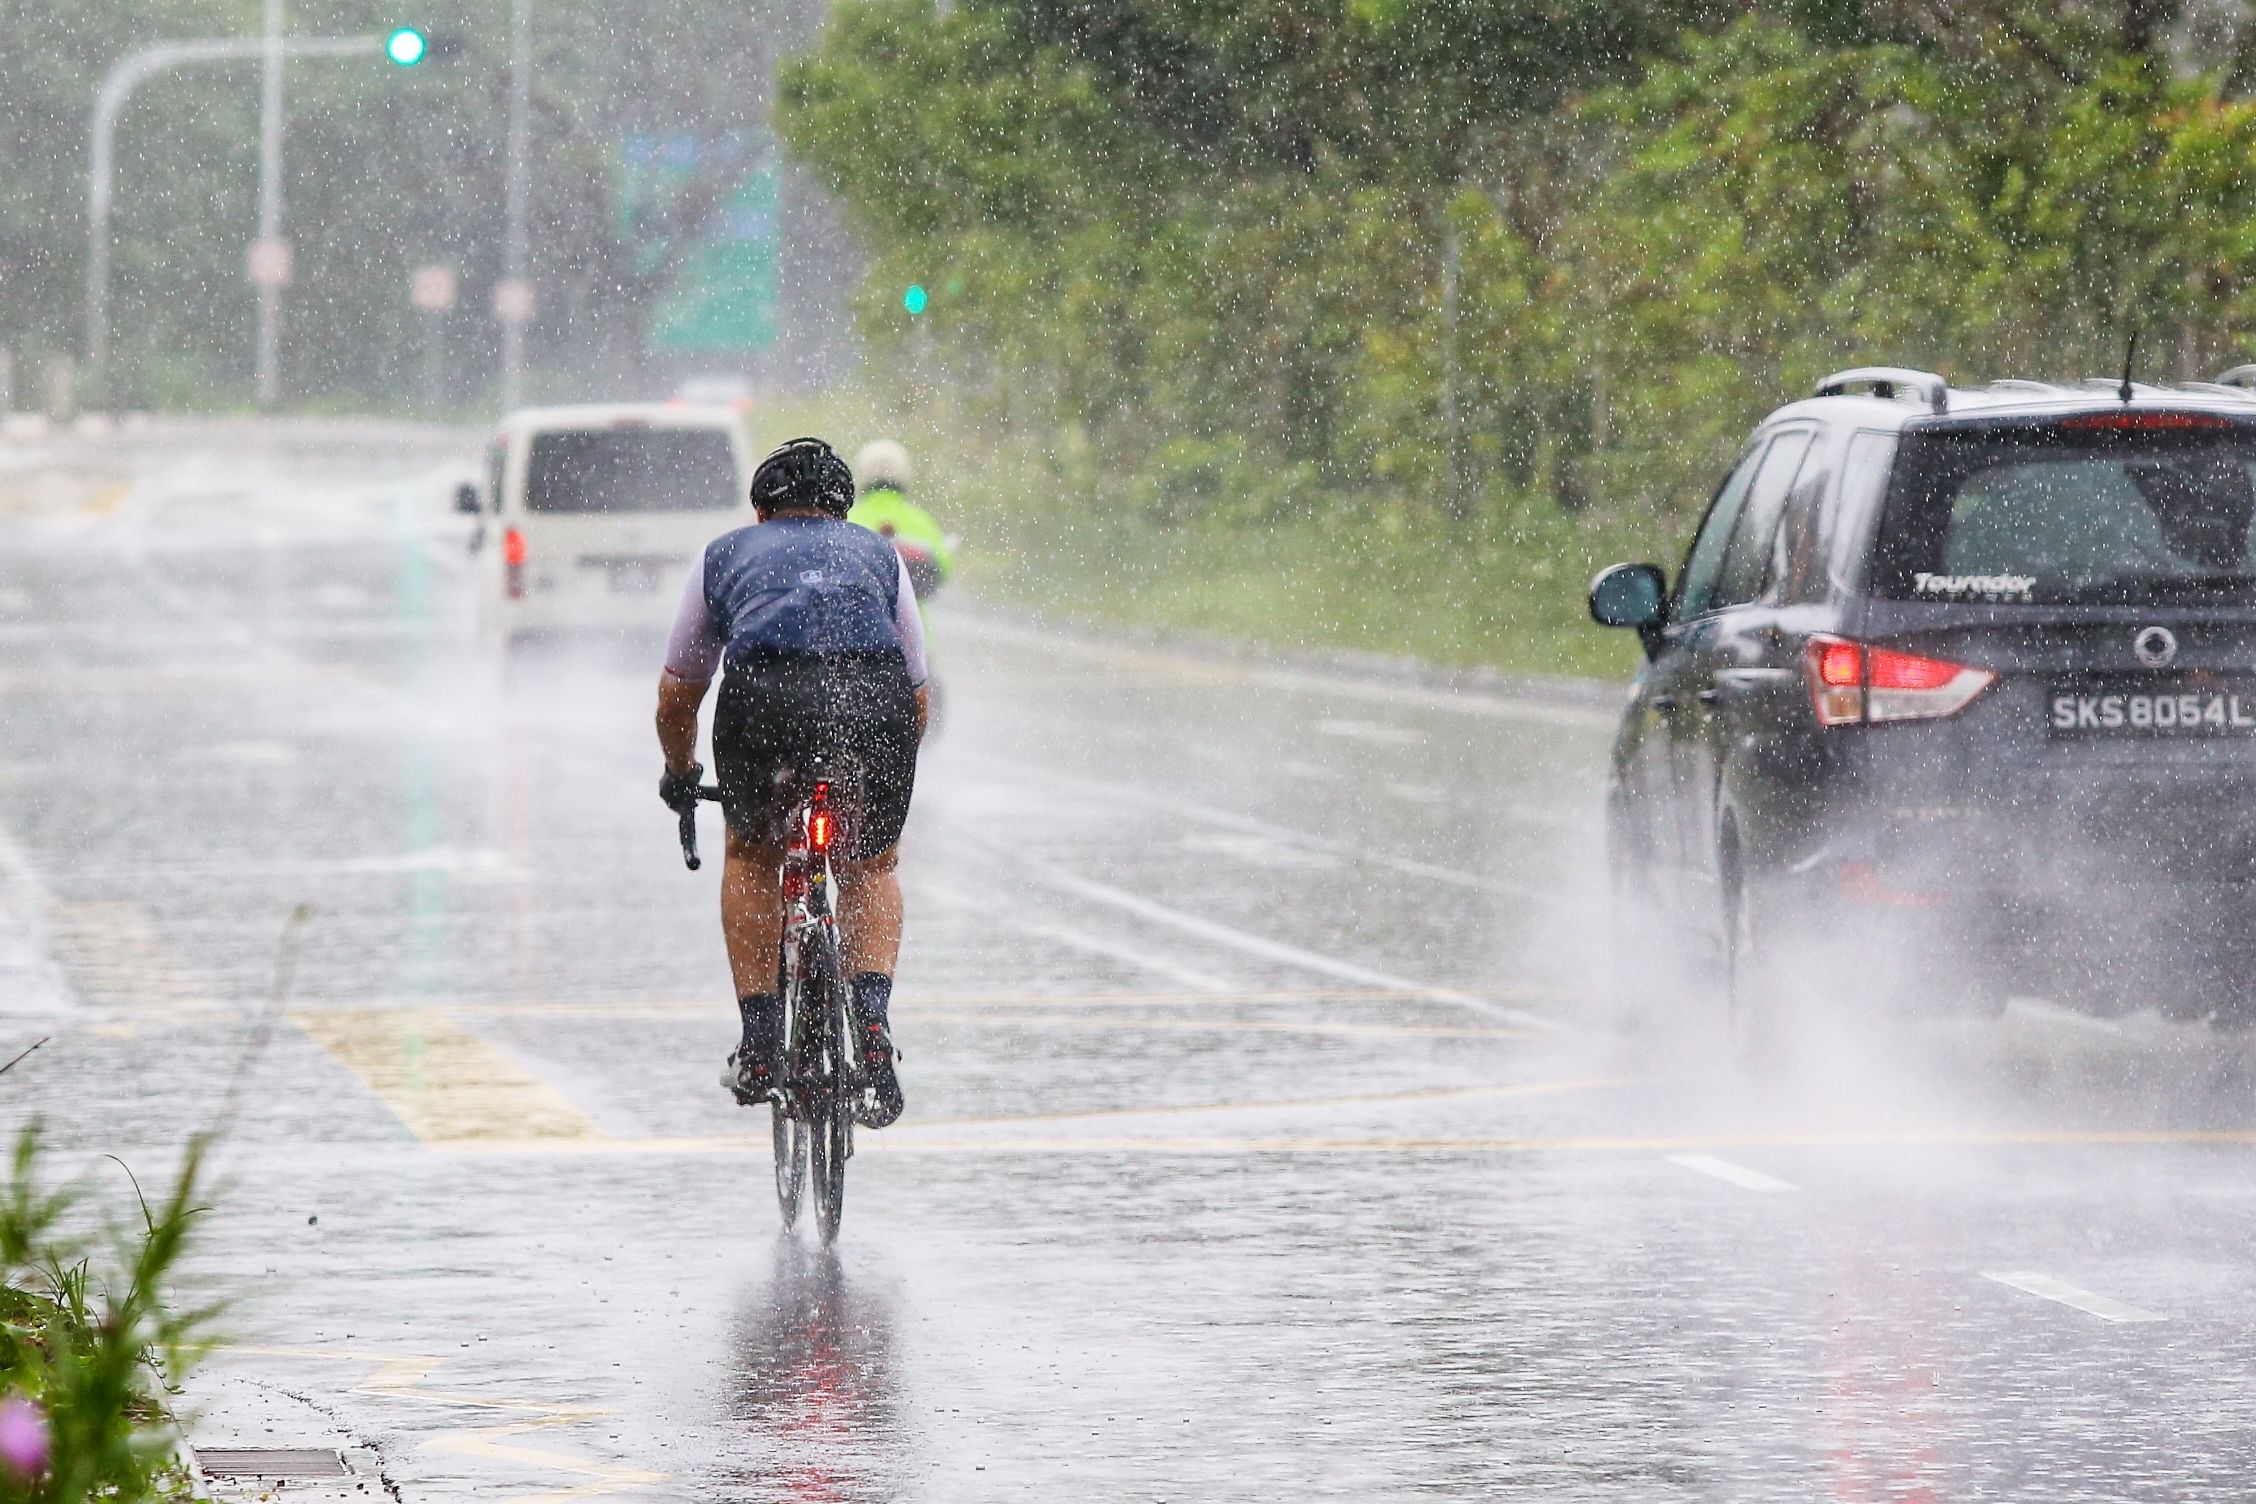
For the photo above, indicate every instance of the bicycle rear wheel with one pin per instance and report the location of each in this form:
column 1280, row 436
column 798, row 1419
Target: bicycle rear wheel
column 790, row 1163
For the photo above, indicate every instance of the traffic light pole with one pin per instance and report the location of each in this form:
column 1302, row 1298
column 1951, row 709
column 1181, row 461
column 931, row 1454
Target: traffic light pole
column 128, row 74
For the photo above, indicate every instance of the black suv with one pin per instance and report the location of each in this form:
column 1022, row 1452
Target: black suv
column 1953, row 700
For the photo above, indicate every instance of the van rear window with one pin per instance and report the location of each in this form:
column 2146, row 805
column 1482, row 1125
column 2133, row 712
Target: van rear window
column 631, row 470
column 2071, row 516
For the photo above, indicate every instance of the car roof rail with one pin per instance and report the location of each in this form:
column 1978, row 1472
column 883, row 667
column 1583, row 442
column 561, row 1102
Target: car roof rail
column 1887, row 382
column 2220, row 389
column 2243, row 377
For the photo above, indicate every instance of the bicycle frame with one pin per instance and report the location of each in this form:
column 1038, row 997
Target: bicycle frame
column 818, row 1078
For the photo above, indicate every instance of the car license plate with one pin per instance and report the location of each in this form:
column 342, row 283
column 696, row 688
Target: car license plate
column 2214, row 706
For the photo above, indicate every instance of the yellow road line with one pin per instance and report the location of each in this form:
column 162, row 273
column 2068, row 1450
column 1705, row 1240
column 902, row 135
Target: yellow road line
column 1013, row 1018
column 916, row 1003
column 444, row 1082
column 907, row 1141
column 136, row 678
column 1212, row 1025
column 401, row 1376
column 1364, row 1099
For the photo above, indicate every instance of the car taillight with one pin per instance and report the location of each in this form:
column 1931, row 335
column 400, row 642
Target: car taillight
column 1850, row 683
column 513, row 553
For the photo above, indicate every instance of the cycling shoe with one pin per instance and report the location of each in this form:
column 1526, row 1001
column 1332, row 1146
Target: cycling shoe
column 750, row 1079
column 881, row 1101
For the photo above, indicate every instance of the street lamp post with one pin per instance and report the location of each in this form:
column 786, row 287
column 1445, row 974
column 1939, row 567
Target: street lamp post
column 128, row 74
column 513, row 300
column 274, row 275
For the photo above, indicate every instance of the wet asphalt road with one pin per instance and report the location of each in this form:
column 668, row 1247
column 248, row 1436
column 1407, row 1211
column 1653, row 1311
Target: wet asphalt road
column 1262, row 1141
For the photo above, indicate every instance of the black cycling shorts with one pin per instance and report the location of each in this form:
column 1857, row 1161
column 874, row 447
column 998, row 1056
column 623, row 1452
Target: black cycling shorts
column 779, row 718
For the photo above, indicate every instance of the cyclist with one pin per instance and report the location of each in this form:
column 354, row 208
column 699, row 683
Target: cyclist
column 882, row 467
column 815, row 621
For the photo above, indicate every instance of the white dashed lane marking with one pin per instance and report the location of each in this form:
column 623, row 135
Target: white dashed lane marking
column 1737, row 1174
column 2106, row 1308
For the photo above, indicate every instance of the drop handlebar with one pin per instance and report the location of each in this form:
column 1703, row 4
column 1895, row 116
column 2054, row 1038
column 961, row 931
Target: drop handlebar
column 689, row 828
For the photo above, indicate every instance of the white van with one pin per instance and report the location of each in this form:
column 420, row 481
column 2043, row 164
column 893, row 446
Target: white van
column 594, row 513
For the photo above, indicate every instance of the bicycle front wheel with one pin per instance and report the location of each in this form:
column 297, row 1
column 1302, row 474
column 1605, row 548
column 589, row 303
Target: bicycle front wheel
column 829, row 1142
column 790, row 1163
column 830, row 1121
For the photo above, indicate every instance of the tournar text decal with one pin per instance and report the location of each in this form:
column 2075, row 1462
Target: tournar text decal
column 1988, row 587
column 2191, row 714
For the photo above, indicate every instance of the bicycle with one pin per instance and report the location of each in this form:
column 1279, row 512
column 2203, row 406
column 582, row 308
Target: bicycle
column 819, row 1076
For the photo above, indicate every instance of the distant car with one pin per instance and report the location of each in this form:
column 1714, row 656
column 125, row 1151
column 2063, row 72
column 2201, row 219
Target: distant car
column 596, row 513
column 1954, row 699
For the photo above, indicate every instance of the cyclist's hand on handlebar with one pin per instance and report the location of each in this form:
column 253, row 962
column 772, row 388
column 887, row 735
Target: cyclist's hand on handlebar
column 678, row 791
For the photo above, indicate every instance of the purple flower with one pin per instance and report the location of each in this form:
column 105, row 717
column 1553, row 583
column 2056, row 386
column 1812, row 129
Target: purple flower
column 23, row 1437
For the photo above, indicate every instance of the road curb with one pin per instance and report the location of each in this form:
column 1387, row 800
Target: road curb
column 1348, row 665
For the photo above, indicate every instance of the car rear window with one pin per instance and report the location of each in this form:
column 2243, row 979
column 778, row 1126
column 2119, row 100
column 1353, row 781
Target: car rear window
column 2051, row 515
column 631, row 470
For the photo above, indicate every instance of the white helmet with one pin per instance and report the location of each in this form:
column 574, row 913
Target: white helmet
column 881, row 464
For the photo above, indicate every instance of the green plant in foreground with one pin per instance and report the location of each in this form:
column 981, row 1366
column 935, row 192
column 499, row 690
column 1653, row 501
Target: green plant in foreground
column 87, row 1342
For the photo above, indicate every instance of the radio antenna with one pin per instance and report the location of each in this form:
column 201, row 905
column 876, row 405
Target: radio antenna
column 2129, row 355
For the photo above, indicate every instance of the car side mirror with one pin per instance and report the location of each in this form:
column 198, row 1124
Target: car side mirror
column 466, row 500
column 1632, row 595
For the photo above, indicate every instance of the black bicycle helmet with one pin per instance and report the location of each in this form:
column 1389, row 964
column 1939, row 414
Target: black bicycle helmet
column 804, row 473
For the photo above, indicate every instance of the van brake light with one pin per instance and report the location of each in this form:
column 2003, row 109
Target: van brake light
column 513, row 555
column 1851, row 683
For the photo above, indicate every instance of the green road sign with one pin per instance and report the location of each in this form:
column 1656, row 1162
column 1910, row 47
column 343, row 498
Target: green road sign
column 722, row 297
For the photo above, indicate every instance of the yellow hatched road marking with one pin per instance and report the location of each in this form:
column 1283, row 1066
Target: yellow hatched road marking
column 444, row 1082
column 117, row 960
column 402, row 1376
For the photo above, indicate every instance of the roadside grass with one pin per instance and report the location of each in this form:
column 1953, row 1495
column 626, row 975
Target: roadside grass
column 89, row 1343
column 1044, row 528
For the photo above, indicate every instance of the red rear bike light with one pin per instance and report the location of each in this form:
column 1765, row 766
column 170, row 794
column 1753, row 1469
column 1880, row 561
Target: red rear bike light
column 820, row 822
column 2137, row 422
column 1850, row 683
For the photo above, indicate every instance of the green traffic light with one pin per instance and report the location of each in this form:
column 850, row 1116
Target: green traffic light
column 407, row 46
column 915, row 299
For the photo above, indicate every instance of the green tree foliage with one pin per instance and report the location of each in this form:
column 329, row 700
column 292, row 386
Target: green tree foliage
column 1440, row 247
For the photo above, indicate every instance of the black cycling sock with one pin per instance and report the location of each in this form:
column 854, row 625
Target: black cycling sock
column 761, row 1012
column 873, row 996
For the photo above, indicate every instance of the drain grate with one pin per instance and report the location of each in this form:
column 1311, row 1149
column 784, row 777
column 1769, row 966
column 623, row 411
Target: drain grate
column 273, row 1462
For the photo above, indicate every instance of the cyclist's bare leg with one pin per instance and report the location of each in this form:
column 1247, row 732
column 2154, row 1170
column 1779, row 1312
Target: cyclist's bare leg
column 869, row 905
column 752, row 913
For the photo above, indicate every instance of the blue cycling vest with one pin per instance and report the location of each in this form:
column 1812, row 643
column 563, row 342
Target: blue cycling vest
column 803, row 587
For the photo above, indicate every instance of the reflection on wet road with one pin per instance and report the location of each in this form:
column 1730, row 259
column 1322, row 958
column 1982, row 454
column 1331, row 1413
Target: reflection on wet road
column 1263, row 1141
